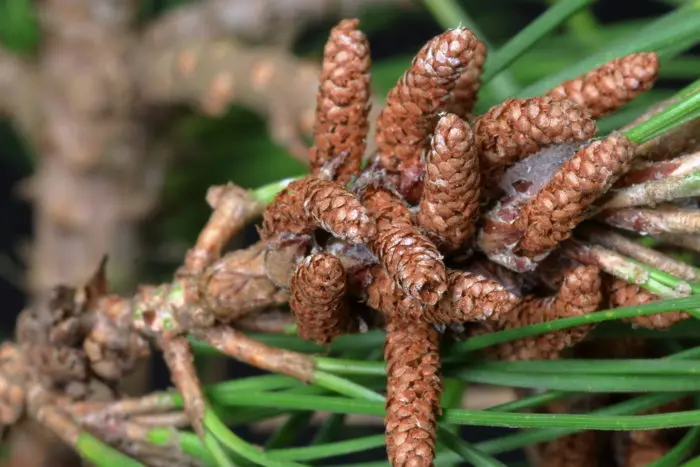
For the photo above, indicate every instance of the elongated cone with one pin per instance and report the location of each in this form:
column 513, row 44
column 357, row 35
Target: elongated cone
column 580, row 293
column 413, row 390
column 318, row 299
column 450, row 202
column 518, row 128
column 312, row 203
column 463, row 96
column 605, row 89
column 410, row 257
column 622, row 294
column 413, row 104
column 342, row 105
column 550, row 216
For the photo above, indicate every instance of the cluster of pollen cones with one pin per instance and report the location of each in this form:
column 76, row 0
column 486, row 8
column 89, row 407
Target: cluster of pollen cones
column 460, row 224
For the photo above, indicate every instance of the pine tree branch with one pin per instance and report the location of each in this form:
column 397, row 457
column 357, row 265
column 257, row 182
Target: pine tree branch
column 268, row 21
column 18, row 97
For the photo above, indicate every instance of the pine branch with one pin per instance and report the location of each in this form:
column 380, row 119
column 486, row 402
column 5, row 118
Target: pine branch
column 18, row 96
column 267, row 21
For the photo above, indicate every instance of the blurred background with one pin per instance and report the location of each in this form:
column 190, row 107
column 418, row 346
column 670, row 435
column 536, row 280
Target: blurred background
column 116, row 115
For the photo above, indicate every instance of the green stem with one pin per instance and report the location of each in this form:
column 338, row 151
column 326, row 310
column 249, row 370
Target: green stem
column 101, row 454
column 671, row 117
column 533, row 32
column 530, row 402
column 672, row 28
column 487, row 340
column 239, row 446
column 344, row 386
column 323, row 451
column 583, row 382
column 605, row 367
column 189, row 442
column 266, row 193
column 467, row 451
column 680, row 451
column 217, row 452
column 287, row 432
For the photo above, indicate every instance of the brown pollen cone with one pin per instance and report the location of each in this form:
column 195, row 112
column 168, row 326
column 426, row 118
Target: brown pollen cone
column 412, row 105
column 518, row 128
column 549, row 217
column 463, row 96
column 383, row 294
column 622, row 294
column 318, row 300
column 450, row 202
column 579, row 293
column 413, row 391
column 312, row 203
column 342, row 106
column 471, row 297
column 410, row 257
column 605, row 89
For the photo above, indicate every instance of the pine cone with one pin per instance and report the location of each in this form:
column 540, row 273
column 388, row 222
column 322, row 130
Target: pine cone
column 343, row 101
column 622, row 294
column 463, row 96
column 318, row 299
column 413, row 390
column 312, row 203
column 413, row 104
column 607, row 88
column 471, row 297
column 580, row 293
column 381, row 293
column 518, row 128
column 238, row 284
column 450, row 202
column 549, row 217
column 409, row 256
